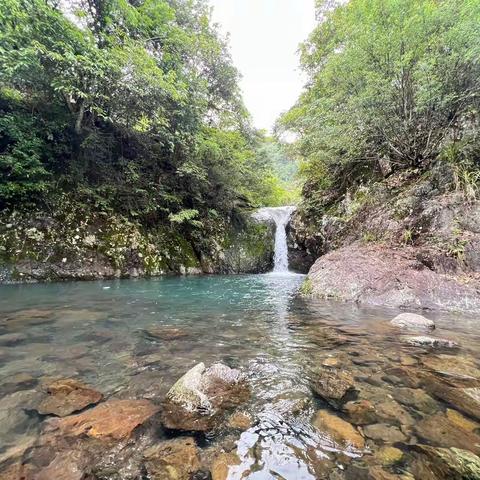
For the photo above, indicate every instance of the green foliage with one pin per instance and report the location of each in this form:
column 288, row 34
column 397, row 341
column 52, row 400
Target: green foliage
column 392, row 84
column 129, row 107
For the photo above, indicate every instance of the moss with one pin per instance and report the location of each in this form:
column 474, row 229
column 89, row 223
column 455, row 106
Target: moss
column 307, row 287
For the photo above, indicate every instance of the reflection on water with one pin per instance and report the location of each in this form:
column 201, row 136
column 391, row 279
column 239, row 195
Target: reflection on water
column 99, row 333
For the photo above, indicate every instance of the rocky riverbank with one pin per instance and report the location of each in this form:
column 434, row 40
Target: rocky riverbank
column 70, row 245
column 411, row 240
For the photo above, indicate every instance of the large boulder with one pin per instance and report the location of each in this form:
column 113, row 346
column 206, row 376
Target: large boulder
column 386, row 276
column 201, row 396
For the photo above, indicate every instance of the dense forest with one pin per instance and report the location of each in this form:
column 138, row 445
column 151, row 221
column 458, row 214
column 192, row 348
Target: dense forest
column 392, row 86
column 128, row 111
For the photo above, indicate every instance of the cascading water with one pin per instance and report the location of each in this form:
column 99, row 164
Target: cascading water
column 281, row 216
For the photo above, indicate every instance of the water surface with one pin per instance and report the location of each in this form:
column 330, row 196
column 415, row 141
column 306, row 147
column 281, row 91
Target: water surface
column 97, row 332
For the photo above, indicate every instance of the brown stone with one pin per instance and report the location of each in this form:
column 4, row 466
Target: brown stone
column 385, row 433
column 361, row 412
column 416, row 398
column 166, row 333
column 340, row 430
column 68, row 396
column 222, row 464
column 112, row 420
column 240, row 421
column 198, row 399
column 462, row 422
column 442, row 432
column 391, row 411
column 466, row 400
column 334, row 386
column 172, row 460
column 389, row 455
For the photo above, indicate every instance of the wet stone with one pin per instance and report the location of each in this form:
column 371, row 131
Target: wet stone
column 360, row 412
column 412, row 321
column 415, row 398
column 462, row 422
column 112, row 420
column 453, row 366
column 440, row 431
column 467, row 400
column 222, row 465
column 340, row 430
column 392, row 412
column 335, row 387
column 199, row 398
column 431, row 342
column 165, row 333
column 240, row 421
column 445, row 463
column 172, row 460
column 389, row 455
column 68, row 396
column 384, row 433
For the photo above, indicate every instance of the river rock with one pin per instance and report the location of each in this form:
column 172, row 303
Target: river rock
column 68, row 396
column 432, row 342
column 361, row 412
column 439, row 430
column 389, row 277
column 389, row 455
column 416, row 398
column 197, row 399
column 391, row 411
column 222, row 465
column 384, row 433
column 340, row 430
column 112, row 420
column 445, row 463
column 467, row 400
column 462, row 422
column 165, row 333
column 457, row 367
column 240, row 421
column 413, row 321
column 172, row 460
column 334, row 386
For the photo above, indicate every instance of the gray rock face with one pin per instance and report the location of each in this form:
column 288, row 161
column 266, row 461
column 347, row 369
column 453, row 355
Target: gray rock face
column 413, row 321
column 386, row 276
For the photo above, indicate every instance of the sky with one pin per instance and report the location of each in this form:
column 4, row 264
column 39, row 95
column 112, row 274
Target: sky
column 264, row 38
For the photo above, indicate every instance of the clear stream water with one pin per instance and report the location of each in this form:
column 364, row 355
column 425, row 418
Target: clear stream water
column 95, row 332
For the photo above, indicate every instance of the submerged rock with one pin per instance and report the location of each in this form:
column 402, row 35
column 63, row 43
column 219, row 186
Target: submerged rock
column 222, row 465
column 196, row 401
column 112, row 420
column 165, row 333
column 424, row 341
column 445, row 463
column 340, row 430
column 172, row 460
column 384, row 433
column 68, row 396
column 467, row 400
column 240, row 421
column 439, row 430
column 389, row 455
column 361, row 412
column 413, row 321
column 334, row 386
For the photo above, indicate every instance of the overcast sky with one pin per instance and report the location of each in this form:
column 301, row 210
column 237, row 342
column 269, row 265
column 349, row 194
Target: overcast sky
column 264, row 37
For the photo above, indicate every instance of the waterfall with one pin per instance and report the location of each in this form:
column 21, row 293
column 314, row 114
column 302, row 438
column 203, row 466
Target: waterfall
column 281, row 216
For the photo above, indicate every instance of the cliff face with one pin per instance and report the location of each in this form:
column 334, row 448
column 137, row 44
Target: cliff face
column 37, row 246
column 410, row 222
